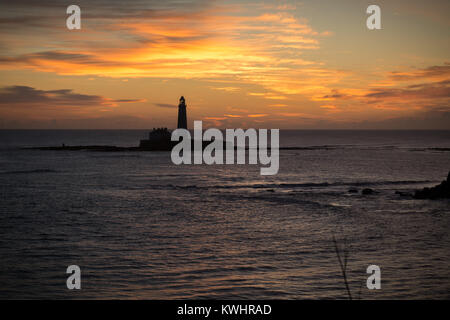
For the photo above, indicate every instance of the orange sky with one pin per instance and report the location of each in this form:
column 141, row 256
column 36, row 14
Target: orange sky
column 271, row 64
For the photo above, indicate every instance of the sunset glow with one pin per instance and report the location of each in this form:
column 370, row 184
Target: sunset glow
column 283, row 64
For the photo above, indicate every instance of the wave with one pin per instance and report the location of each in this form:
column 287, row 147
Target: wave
column 342, row 146
column 295, row 185
column 111, row 156
column 29, row 171
column 367, row 147
column 441, row 149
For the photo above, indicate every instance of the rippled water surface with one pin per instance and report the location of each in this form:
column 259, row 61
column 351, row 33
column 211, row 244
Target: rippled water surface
column 140, row 227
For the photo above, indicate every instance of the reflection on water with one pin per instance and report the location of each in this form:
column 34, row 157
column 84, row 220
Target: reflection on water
column 140, row 227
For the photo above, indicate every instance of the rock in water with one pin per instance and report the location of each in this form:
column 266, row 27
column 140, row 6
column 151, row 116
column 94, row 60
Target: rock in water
column 403, row 194
column 368, row 191
column 441, row 191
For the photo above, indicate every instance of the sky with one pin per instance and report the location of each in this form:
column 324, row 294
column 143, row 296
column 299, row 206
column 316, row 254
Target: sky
column 309, row 64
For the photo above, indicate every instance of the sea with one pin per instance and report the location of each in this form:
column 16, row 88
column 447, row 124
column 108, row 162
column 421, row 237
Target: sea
column 140, row 227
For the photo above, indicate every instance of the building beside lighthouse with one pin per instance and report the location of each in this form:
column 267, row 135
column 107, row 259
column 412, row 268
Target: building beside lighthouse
column 159, row 139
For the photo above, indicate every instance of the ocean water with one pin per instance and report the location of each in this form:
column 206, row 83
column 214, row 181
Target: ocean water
column 140, row 227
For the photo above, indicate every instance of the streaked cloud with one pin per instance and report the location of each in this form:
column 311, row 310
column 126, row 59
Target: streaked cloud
column 165, row 105
column 241, row 43
column 441, row 72
column 418, row 91
column 28, row 97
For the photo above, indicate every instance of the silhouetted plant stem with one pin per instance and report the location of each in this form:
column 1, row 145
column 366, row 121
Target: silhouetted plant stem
column 343, row 265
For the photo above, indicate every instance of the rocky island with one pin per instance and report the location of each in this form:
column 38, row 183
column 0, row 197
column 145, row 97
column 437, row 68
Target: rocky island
column 441, row 191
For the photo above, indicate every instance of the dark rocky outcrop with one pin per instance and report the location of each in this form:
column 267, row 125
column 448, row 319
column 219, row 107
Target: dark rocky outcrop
column 403, row 194
column 353, row 190
column 368, row 191
column 441, row 191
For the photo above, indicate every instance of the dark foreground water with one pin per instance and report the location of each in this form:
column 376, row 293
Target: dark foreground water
column 140, row 227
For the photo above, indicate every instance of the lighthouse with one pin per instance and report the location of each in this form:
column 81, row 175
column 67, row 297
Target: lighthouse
column 182, row 119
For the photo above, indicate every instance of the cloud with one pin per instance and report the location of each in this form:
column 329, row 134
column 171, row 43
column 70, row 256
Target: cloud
column 329, row 106
column 257, row 115
column 24, row 96
column 267, row 95
column 165, row 105
column 227, row 89
column 215, row 118
column 336, row 95
column 233, row 115
column 172, row 39
column 111, row 122
column 53, row 56
column 417, row 91
column 129, row 100
column 404, row 90
column 431, row 73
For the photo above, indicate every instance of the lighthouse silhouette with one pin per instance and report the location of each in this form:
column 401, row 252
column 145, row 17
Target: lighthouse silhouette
column 182, row 119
